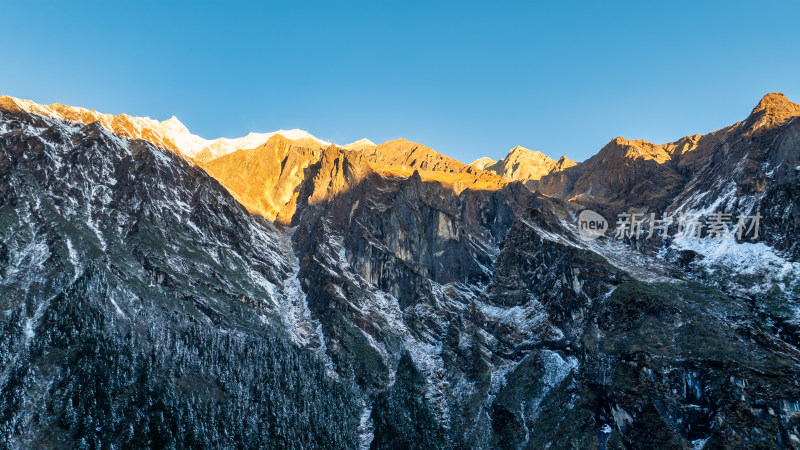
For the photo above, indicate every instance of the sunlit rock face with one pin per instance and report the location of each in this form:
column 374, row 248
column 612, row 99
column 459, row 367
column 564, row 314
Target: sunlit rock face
column 279, row 166
column 524, row 165
column 288, row 292
column 411, row 156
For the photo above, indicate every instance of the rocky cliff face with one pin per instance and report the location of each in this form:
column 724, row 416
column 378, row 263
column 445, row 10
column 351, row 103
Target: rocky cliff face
column 280, row 165
column 754, row 167
column 628, row 174
column 297, row 294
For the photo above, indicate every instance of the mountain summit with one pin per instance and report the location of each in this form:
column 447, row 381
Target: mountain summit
column 773, row 109
column 777, row 104
column 526, row 165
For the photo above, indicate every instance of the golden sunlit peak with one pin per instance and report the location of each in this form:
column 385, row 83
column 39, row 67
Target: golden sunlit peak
column 776, row 104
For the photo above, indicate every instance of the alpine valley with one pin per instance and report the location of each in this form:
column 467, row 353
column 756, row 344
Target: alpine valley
column 161, row 290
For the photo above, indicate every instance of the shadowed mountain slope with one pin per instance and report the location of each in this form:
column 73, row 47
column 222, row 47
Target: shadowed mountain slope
column 399, row 299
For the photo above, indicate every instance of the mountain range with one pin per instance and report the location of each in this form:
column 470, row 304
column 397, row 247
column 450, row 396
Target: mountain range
column 163, row 290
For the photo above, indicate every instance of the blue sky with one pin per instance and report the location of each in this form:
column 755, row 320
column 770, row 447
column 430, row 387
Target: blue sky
column 469, row 79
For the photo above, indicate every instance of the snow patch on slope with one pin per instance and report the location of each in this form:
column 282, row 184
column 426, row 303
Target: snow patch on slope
column 726, row 256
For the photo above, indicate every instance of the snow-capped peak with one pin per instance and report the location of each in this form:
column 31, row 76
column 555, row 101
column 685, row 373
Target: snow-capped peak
column 192, row 145
column 223, row 146
column 168, row 133
column 359, row 144
column 187, row 143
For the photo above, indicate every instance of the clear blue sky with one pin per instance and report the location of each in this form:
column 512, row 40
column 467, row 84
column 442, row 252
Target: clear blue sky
column 469, row 79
